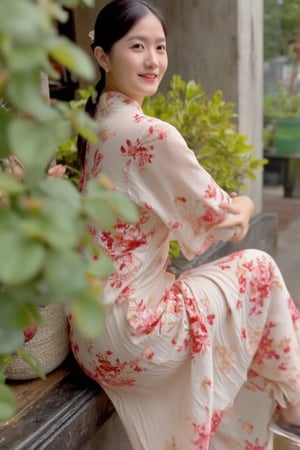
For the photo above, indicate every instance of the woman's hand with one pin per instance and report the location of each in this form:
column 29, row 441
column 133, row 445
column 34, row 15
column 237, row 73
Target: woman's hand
column 239, row 212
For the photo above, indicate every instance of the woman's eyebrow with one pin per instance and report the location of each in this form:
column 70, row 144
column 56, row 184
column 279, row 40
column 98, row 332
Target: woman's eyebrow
column 144, row 38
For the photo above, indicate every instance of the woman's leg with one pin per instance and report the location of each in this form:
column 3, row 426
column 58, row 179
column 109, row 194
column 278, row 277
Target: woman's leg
column 245, row 424
column 257, row 335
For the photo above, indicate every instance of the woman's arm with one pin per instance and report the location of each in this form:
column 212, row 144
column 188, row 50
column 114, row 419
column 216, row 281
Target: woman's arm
column 165, row 175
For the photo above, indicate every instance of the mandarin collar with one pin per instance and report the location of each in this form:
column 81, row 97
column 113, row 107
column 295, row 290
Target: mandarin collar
column 114, row 99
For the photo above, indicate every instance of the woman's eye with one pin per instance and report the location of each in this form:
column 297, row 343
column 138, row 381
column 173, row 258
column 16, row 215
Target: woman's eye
column 137, row 46
column 162, row 48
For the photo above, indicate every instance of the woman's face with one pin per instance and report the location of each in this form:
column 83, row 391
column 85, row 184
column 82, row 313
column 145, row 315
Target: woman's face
column 137, row 63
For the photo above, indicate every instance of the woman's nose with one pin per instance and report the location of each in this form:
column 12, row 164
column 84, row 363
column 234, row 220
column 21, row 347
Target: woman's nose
column 151, row 59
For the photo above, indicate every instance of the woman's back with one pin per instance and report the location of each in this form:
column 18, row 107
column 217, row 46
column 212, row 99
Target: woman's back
column 139, row 251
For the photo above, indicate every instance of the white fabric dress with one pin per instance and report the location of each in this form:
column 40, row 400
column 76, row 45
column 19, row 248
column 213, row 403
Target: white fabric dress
column 197, row 362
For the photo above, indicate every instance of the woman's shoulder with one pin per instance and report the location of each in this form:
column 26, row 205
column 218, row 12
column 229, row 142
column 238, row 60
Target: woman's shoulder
column 156, row 126
column 164, row 131
column 155, row 121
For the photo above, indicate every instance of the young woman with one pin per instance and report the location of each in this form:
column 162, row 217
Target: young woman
column 202, row 361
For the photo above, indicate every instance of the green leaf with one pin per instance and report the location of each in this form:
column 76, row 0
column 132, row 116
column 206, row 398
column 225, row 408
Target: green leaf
column 32, row 362
column 26, row 58
column 34, row 144
column 20, row 259
column 10, row 339
column 84, row 125
column 21, row 19
column 57, row 12
column 89, row 316
column 57, row 231
column 5, row 118
column 66, row 274
column 71, row 56
column 10, row 185
column 174, row 251
column 4, row 361
column 10, row 312
column 122, row 206
column 84, row 94
column 24, row 92
column 60, row 223
column 105, row 207
column 101, row 266
column 88, row 3
column 62, row 192
column 16, row 312
column 8, row 219
column 99, row 212
column 7, row 402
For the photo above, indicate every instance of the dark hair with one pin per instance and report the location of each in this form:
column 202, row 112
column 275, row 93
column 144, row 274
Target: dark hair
column 113, row 22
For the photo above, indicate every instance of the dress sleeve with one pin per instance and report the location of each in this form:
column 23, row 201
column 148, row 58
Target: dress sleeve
column 165, row 176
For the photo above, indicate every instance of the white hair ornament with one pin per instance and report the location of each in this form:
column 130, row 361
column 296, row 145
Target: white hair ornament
column 91, row 35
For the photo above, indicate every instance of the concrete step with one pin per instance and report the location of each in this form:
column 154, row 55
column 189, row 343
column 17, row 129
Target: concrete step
column 111, row 436
column 283, row 444
column 62, row 412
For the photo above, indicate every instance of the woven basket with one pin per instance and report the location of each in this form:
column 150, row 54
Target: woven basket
column 50, row 345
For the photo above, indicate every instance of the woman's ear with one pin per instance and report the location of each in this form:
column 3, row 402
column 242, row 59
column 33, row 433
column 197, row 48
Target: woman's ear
column 101, row 58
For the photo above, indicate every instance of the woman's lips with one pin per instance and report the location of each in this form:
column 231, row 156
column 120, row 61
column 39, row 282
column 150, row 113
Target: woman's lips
column 150, row 77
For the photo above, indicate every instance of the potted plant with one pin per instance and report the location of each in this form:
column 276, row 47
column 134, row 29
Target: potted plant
column 282, row 123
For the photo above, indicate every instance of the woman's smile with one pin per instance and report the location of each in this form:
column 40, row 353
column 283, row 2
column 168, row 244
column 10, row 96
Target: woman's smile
column 149, row 77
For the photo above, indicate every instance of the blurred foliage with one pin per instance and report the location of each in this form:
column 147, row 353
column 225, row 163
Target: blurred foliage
column 281, row 104
column 281, row 21
column 43, row 221
column 66, row 153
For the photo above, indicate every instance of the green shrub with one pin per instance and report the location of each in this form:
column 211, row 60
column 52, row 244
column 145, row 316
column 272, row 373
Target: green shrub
column 208, row 126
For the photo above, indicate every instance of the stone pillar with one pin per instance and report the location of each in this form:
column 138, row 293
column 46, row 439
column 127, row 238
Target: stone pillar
column 250, row 81
column 219, row 43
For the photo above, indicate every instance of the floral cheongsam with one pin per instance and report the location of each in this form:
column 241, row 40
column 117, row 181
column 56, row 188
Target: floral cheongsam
column 198, row 362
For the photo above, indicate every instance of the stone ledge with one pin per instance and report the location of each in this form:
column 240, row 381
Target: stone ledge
column 61, row 412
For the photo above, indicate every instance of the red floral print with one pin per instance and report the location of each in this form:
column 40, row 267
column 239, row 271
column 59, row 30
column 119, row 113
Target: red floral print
column 267, row 347
column 114, row 372
column 255, row 445
column 140, row 153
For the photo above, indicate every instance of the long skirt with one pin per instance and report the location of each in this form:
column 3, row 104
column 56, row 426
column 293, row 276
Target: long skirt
column 207, row 365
